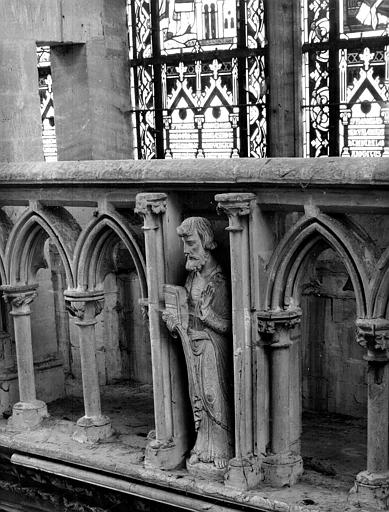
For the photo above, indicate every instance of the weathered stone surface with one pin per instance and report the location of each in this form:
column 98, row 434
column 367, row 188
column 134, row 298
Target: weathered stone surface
column 203, row 324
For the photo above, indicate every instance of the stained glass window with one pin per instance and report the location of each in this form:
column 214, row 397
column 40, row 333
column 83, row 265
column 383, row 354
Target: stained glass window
column 198, row 78
column 346, row 77
column 47, row 105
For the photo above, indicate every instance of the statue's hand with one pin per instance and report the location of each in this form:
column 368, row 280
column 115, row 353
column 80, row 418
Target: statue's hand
column 207, row 296
column 171, row 321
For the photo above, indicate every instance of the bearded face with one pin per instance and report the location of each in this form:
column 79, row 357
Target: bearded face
column 196, row 255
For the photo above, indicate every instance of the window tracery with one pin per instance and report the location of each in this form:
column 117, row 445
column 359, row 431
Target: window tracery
column 198, row 78
column 346, row 77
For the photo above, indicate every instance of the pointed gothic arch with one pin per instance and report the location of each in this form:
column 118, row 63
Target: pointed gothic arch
column 97, row 240
column 24, row 250
column 287, row 264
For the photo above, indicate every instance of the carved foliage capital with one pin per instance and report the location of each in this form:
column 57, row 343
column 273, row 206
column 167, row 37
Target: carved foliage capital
column 148, row 203
column 235, row 205
column 373, row 334
column 19, row 296
column 84, row 306
column 272, row 323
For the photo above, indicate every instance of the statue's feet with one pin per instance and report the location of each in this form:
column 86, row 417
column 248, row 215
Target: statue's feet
column 193, row 459
column 220, row 462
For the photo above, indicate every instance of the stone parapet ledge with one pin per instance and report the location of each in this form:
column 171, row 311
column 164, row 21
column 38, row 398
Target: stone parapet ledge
column 333, row 172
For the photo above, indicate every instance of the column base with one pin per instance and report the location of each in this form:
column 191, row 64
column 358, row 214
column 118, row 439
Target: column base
column 370, row 491
column 243, row 473
column 282, row 469
column 206, row 470
column 27, row 415
column 164, row 454
column 93, row 429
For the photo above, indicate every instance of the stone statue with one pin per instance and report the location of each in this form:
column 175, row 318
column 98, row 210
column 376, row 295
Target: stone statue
column 200, row 314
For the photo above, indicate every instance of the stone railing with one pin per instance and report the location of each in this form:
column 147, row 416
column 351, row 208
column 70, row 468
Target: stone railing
column 273, row 217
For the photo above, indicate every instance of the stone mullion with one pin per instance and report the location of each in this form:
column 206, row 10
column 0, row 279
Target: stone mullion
column 371, row 488
column 282, row 466
column 85, row 306
column 162, row 451
column 244, row 468
column 29, row 411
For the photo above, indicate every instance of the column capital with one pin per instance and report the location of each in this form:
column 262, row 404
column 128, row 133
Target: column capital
column 272, row 322
column 238, row 203
column 84, row 305
column 373, row 334
column 150, row 202
column 19, row 296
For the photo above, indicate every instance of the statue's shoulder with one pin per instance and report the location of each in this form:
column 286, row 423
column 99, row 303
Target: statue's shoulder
column 218, row 276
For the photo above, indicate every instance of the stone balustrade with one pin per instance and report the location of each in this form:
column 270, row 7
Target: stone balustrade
column 272, row 217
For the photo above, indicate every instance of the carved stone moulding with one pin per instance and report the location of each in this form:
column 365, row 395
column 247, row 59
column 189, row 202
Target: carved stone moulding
column 283, row 469
column 370, row 491
column 155, row 201
column 27, row 415
column 373, row 334
column 270, row 323
column 19, row 295
column 78, row 300
column 92, row 429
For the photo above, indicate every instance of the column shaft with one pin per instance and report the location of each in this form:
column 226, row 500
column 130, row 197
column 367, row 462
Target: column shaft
column 167, row 450
column 28, row 412
column 244, row 469
column 280, row 435
column 90, row 379
column 85, row 306
column 377, row 417
column 24, row 356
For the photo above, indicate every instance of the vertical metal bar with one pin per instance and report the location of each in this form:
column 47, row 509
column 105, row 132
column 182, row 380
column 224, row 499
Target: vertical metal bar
column 135, row 78
column 333, row 64
column 242, row 81
column 157, row 72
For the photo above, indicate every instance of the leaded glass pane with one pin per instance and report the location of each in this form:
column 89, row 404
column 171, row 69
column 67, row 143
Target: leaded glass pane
column 192, row 97
column 346, row 77
column 46, row 104
column 145, row 114
column 255, row 24
column 193, row 25
column 200, row 114
column 364, row 96
column 317, row 110
column 364, row 18
column 257, row 107
column 315, row 17
column 140, row 28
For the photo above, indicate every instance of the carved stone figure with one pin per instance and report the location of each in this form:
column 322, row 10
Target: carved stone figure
column 200, row 314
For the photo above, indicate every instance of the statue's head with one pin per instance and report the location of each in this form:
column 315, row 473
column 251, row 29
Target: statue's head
column 198, row 239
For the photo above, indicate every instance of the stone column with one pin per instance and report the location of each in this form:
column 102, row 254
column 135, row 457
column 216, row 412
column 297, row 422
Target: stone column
column 167, row 449
column 244, row 469
column 279, row 330
column 28, row 412
column 85, row 306
column 371, row 488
